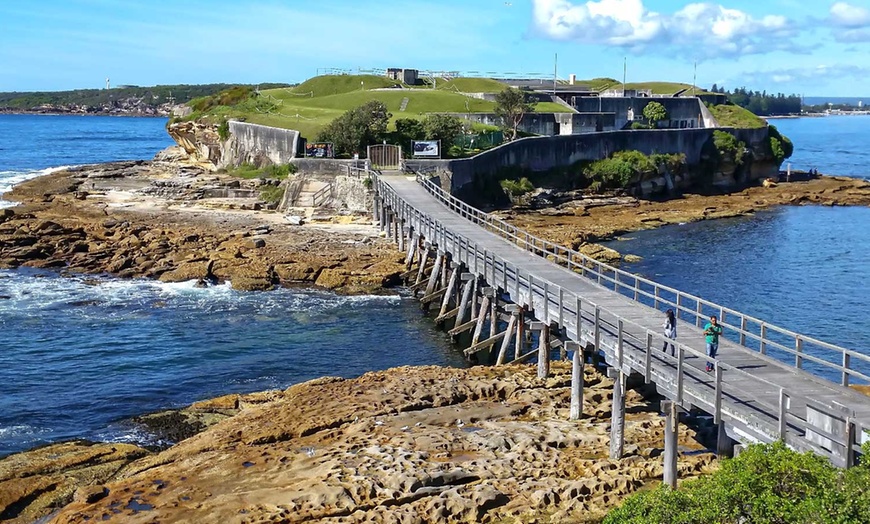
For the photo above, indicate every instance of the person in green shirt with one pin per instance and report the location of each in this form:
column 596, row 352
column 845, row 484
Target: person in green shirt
column 712, row 331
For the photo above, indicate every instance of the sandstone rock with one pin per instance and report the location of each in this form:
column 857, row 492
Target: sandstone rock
column 187, row 271
column 243, row 283
column 90, row 494
column 254, row 243
column 300, row 272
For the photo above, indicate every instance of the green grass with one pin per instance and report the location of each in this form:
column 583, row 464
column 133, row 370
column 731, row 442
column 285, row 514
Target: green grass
column 338, row 84
column 657, row 88
column 313, row 104
column 249, row 171
column 550, row 107
column 736, row 116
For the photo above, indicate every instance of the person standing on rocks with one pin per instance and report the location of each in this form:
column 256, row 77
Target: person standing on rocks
column 712, row 330
column 670, row 330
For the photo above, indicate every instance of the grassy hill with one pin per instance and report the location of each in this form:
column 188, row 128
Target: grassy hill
column 729, row 115
column 311, row 105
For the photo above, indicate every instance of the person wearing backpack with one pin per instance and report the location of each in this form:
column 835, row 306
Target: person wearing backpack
column 670, row 332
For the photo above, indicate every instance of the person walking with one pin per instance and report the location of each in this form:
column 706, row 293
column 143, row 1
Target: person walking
column 670, row 330
column 712, row 330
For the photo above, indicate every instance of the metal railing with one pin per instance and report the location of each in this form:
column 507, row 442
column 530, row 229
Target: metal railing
column 631, row 346
column 751, row 332
column 321, row 196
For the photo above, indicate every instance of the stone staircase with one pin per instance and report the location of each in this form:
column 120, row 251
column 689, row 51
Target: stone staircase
column 314, row 193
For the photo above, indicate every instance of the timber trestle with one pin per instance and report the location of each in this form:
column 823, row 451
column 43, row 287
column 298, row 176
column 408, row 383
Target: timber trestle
column 510, row 298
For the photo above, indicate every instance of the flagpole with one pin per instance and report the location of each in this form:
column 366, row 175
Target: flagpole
column 624, row 70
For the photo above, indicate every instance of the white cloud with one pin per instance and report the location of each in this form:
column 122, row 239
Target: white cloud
column 615, row 22
column 707, row 29
column 848, row 15
column 803, row 75
column 849, row 23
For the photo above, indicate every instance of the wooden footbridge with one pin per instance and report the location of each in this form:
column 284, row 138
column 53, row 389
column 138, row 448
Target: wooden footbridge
column 483, row 277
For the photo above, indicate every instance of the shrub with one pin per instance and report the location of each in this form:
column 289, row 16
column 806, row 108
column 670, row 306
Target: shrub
column 517, row 187
column 271, row 194
column 618, row 171
column 785, row 143
column 639, row 125
column 224, row 129
column 279, row 172
column 673, row 163
column 767, row 483
column 728, row 146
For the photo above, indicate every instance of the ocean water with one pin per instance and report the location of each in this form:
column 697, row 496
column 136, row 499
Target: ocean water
column 802, row 268
column 31, row 145
column 832, row 144
column 80, row 356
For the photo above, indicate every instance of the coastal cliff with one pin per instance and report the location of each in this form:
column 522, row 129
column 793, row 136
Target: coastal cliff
column 215, row 147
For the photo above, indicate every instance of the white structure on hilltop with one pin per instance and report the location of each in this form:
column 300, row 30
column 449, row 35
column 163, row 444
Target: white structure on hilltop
column 107, row 82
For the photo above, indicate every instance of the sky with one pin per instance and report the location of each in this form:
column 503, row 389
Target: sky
column 809, row 47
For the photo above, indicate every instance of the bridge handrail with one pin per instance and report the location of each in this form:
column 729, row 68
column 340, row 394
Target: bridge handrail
column 579, row 261
column 554, row 294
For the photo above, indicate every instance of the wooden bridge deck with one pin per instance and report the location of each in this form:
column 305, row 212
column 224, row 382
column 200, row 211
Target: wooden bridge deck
column 757, row 397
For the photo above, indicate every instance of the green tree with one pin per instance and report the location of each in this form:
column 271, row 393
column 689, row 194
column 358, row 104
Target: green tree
column 511, row 106
column 444, row 128
column 655, row 112
column 410, row 129
column 357, row 128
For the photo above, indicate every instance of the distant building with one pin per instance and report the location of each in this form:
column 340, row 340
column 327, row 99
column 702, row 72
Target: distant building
column 860, row 103
column 407, row 76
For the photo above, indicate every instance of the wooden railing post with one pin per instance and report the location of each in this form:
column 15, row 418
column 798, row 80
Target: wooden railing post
column 717, row 403
column 576, row 381
column 597, row 328
column 762, row 346
column 846, row 366
column 647, row 363
column 798, row 350
column 619, row 344
column 783, row 412
column 743, row 330
column 680, row 369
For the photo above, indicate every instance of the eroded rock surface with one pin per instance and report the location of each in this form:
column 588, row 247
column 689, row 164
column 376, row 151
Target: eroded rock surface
column 141, row 219
column 424, row 444
column 579, row 224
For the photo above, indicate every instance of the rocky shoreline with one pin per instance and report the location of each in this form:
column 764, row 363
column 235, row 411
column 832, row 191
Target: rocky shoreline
column 152, row 220
column 581, row 222
column 412, row 444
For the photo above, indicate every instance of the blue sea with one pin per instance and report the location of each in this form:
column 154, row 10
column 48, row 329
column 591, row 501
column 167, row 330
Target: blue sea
column 802, row 268
column 81, row 356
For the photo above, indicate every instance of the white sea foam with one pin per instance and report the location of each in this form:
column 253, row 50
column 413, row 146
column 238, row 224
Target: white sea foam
column 46, row 291
column 19, row 431
column 8, row 179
